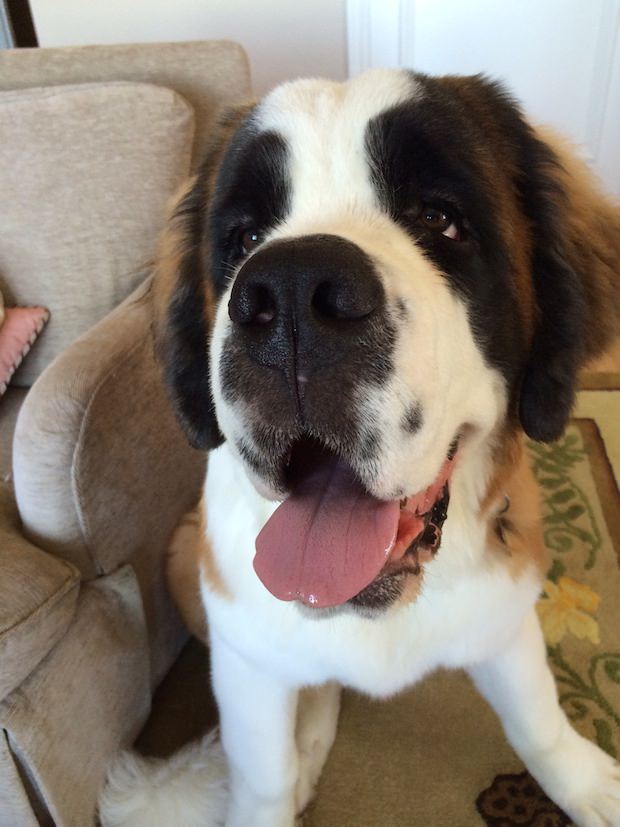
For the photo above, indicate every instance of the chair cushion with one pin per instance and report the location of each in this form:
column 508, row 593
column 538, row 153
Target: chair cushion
column 207, row 73
column 9, row 408
column 86, row 172
column 38, row 595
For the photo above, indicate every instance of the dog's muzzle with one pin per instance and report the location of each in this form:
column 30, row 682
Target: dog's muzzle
column 310, row 333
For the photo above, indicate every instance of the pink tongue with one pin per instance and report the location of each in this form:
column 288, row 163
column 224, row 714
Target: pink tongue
column 327, row 541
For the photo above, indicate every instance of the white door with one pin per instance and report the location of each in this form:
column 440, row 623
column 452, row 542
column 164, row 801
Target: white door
column 561, row 58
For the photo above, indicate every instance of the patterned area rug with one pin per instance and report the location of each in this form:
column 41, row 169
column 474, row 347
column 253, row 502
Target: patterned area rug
column 436, row 756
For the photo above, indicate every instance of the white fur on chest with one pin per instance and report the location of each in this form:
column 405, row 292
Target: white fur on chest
column 468, row 609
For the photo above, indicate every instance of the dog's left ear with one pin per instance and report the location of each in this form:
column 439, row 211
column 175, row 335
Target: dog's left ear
column 575, row 267
column 183, row 309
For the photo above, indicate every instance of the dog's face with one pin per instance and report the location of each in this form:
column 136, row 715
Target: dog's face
column 367, row 265
column 367, row 299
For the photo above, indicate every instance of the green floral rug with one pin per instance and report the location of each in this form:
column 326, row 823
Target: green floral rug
column 436, row 755
column 580, row 609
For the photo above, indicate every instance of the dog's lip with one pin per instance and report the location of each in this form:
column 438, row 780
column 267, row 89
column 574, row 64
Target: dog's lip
column 310, row 442
column 408, row 560
column 413, row 559
column 414, row 545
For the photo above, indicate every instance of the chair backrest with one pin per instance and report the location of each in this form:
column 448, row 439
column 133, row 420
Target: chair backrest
column 93, row 142
column 206, row 73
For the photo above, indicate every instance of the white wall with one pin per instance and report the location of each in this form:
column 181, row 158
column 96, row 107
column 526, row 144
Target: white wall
column 283, row 38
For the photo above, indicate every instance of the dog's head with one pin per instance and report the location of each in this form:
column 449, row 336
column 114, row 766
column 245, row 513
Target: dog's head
column 362, row 280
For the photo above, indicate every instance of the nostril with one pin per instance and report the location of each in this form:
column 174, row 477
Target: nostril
column 323, row 301
column 265, row 316
column 345, row 300
column 253, row 304
column 265, row 306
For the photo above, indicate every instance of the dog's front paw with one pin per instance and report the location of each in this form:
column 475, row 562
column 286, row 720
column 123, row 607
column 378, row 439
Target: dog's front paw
column 250, row 807
column 583, row 780
column 599, row 805
column 261, row 815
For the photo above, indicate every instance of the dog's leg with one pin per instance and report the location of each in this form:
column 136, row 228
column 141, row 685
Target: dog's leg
column 257, row 721
column 317, row 721
column 582, row 779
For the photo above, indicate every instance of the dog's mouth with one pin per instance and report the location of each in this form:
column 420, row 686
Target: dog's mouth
column 331, row 539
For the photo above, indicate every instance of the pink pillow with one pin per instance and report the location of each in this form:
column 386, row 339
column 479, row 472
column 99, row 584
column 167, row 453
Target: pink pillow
column 18, row 331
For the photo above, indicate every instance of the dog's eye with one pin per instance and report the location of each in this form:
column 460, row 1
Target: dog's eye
column 250, row 239
column 440, row 221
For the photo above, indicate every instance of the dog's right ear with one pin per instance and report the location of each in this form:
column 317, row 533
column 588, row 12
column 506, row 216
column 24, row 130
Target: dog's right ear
column 184, row 296
column 183, row 309
column 575, row 262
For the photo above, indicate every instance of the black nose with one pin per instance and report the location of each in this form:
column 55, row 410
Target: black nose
column 305, row 303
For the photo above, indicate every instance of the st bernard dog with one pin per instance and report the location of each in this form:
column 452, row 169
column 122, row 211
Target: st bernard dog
column 364, row 298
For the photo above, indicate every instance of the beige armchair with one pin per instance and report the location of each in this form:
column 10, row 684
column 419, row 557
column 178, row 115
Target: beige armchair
column 93, row 141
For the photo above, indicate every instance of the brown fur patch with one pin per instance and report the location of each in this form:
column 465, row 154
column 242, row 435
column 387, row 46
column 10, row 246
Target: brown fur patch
column 182, row 574
column 207, row 562
column 189, row 560
column 592, row 226
column 171, row 247
column 511, row 509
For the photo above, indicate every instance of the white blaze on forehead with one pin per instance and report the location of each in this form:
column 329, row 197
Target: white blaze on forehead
column 324, row 125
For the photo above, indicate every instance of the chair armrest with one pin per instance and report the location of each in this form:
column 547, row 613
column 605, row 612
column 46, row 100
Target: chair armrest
column 38, row 595
column 101, row 467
